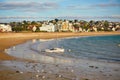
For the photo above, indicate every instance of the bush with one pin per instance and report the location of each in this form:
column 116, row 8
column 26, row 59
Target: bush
column 37, row 30
column 17, row 29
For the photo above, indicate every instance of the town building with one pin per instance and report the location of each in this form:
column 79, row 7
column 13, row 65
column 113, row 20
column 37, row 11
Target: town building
column 5, row 28
column 65, row 26
column 47, row 27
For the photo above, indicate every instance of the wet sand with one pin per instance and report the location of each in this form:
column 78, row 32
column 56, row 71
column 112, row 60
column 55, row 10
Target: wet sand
column 13, row 73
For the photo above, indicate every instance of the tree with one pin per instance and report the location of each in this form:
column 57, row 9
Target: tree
column 25, row 25
column 75, row 20
column 76, row 27
column 91, row 23
column 106, row 25
column 84, row 24
column 33, row 23
column 56, row 20
column 17, row 29
column 13, row 24
column 37, row 29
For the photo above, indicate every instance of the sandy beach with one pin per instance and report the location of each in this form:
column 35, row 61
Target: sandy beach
column 100, row 71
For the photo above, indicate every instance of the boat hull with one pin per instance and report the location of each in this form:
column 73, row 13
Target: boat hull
column 56, row 50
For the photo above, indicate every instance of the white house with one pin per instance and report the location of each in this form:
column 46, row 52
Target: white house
column 47, row 27
column 95, row 29
column 70, row 27
column 5, row 28
column 34, row 28
column 113, row 29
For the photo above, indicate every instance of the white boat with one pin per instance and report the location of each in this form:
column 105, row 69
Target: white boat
column 57, row 50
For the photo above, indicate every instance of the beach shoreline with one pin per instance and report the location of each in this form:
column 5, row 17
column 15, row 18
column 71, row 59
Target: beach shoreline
column 100, row 71
column 11, row 39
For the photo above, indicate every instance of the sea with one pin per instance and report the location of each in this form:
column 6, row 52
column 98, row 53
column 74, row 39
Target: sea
column 96, row 47
column 104, row 48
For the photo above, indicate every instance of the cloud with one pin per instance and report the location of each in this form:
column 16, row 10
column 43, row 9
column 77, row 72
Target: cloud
column 78, row 7
column 28, row 6
column 43, row 1
column 104, row 5
column 107, row 5
column 114, row 1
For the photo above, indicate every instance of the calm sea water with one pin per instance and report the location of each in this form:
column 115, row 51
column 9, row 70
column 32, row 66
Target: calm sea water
column 97, row 47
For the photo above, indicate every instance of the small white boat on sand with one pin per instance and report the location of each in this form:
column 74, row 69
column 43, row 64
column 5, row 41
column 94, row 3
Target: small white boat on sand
column 57, row 50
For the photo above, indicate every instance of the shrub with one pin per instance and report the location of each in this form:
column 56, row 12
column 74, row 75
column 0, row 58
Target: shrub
column 17, row 29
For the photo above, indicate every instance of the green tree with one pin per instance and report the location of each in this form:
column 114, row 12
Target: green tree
column 17, row 29
column 75, row 20
column 34, row 23
column 37, row 29
column 106, row 25
column 84, row 24
column 76, row 25
column 25, row 25
column 56, row 20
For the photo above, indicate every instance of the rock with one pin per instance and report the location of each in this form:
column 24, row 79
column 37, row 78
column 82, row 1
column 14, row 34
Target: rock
column 17, row 71
column 72, row 70
column 67, row 68
column 96, row 67
column 57, row 65
column 14, row 66
column 44, row 66
column 21, row 72
column 91, row 66
column 101, row 71
column 85, row 79
column 116, row 70
column 38, row 71
column 42, row 70
column 110, row 74
column 37, row 76
column 50, row 72
column 60, row 76
column 43, row 77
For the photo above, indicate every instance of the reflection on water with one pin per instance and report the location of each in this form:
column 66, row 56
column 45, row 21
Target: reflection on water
column 49, row 59
column 34, row 40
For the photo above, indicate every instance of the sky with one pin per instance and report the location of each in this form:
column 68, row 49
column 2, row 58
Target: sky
column 12, row 10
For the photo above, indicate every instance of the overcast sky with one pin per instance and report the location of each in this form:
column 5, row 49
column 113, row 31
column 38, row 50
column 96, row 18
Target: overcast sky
column 59, row 8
